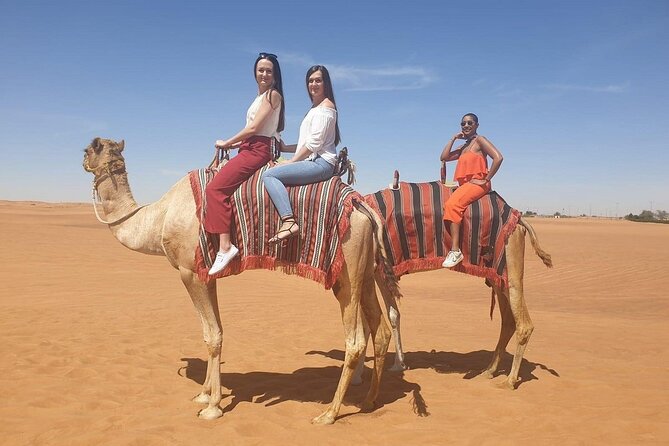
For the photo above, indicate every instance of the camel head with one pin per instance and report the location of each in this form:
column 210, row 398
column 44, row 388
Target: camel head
column 103, row 155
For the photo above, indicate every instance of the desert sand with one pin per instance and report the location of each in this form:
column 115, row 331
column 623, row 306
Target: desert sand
column 101, row 345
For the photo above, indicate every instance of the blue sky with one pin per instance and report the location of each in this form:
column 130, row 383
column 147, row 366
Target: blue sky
column 573, row 93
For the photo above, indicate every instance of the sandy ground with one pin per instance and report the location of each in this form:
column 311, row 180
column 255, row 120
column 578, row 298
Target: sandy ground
column 101, row 345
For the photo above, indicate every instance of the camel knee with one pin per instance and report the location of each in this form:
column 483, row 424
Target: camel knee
column 384, row 333
column 214, row 342
column 523, row 334
column 354, row 351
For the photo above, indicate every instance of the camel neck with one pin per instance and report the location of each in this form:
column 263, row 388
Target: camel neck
column 117, row 199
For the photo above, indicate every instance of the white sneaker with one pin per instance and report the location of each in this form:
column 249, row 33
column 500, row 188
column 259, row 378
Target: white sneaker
column 452, row 259
column 222, row 260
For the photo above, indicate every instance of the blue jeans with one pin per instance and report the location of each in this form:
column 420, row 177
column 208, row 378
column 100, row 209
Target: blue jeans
column 294, row 174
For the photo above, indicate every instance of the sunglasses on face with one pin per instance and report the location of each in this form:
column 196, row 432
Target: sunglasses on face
column 266, row 55
column 464, row 123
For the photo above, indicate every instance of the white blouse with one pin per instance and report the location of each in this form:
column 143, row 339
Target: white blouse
column 271, row 122
column 317, row 133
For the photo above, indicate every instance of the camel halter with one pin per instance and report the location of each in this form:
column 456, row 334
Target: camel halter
column 101, row 173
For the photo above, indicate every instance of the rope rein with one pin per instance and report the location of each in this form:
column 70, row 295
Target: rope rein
column 100, row 174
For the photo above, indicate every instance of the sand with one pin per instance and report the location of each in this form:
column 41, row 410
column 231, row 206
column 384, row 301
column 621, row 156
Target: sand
column 101, row 345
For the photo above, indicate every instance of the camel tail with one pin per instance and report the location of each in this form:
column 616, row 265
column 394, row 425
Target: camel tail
column 543, row 255
column 492, row 301
column 380, row 255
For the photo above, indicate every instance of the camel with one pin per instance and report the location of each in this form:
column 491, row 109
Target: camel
column 514, row 314
column 169, row 227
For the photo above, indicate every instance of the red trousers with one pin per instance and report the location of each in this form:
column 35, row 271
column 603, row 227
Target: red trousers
column 254, row 153
column 463, row 196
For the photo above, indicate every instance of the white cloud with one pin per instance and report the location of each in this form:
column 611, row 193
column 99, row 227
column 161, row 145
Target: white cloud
column 381, row 79
column 354, row 78
column 590, row 88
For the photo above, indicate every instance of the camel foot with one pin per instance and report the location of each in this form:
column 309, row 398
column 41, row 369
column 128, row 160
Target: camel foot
column 210, row 413
column 487, row 374
column 367, row 406
column 324, row 418
column 202, row 398
column 507, row 384
column 398, row 367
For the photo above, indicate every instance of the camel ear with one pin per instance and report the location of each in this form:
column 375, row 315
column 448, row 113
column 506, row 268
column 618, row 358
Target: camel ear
column 96, row 145
column 121, row 145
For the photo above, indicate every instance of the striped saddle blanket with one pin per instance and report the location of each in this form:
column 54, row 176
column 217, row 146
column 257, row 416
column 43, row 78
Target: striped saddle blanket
column 322, row 210
column 417, row 240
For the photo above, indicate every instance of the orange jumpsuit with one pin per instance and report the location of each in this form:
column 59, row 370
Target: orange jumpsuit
column 471, row 165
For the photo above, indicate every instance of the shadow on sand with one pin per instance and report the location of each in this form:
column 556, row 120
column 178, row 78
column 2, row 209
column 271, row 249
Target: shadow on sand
column 318, row 384
column 470, row 365
column 309, row 384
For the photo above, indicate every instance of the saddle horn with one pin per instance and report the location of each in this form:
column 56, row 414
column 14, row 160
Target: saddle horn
column 396, row 181
column 343, row 165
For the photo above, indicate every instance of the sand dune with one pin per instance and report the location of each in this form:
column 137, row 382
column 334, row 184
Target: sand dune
column 101, row 345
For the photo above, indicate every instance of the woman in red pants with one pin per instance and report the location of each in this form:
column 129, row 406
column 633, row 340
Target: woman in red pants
column 264, row 121
column 472, row 175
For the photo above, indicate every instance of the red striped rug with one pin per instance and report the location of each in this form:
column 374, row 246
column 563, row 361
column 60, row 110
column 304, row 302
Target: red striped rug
column 322, row 210
column 416, row 239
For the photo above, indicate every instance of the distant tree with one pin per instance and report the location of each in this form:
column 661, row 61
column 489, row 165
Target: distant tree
column 529, row 214
column 557, row 214
column 646, row 216
column 662, row 215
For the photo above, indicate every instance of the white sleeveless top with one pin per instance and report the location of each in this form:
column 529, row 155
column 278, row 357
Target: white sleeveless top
column 317, row 133
column 271, row 122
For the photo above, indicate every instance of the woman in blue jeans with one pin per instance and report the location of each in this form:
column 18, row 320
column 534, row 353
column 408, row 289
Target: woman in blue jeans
column 315, row 153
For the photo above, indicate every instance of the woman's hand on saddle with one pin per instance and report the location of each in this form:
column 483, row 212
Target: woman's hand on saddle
column 222, row 144
column 279, row 162
column 228, row 144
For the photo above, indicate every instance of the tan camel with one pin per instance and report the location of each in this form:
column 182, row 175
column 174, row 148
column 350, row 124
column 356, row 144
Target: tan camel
column 512, row 307
column 169, row 227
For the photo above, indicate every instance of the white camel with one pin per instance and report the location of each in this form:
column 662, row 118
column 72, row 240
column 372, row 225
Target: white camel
column 169, row 227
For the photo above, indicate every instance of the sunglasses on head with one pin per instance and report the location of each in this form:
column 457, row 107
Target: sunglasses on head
column 464, row 123
column 266, row 55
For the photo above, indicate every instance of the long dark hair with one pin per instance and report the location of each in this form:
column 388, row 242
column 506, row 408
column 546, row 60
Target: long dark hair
column 329, row 93
column 278, row 84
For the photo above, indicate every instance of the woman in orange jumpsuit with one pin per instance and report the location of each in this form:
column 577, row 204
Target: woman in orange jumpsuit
column 472, row 175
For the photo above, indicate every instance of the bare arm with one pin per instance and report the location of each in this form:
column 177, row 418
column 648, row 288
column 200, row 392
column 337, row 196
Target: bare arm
column 262, row 115
column 446, row 154
column 489, row 149
column 302, row 154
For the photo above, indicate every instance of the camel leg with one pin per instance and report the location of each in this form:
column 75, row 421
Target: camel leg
column 515, row 257
column 205, row 300
column 349, row 289
column 508, row 327
column 380, row 336
column 355, row 339
column 203, row 397
column 393, row 311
